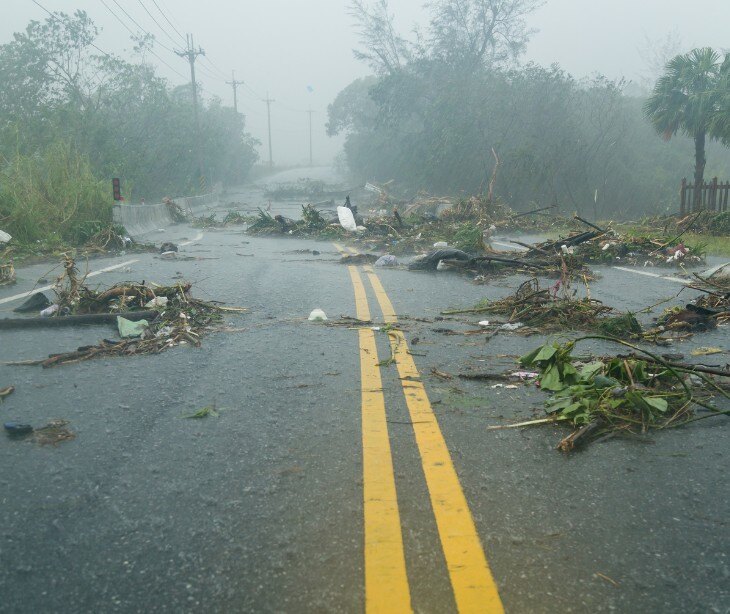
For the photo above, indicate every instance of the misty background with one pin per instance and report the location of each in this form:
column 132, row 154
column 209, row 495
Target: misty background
column 301, row 53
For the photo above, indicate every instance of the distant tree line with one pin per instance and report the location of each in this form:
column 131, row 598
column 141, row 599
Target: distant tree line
column 439, row 110
column 58, row 87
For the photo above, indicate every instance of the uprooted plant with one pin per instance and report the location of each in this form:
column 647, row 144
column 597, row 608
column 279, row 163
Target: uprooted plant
column 618, row 395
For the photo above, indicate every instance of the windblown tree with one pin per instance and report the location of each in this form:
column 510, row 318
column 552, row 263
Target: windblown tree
column 689, row 98
column 59, row 87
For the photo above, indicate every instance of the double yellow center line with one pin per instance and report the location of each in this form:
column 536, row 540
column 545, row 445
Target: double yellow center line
column 386, row 582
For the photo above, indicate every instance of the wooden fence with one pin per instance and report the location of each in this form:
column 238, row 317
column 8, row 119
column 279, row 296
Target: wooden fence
column 710, row 196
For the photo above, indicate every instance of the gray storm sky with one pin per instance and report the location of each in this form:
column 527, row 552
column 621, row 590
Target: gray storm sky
column 300, row 51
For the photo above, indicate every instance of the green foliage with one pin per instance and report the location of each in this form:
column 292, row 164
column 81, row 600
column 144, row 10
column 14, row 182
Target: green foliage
column 608, row 390
column 622, row 327
column 469, row 238
column 125, row 119
column 720, row 224
column 432, row 114
column 685, row 98
column 692, row 97
column 53, row 196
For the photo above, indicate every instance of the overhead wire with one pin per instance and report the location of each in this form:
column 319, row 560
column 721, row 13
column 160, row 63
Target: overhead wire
column 168, row 20
column 165, row 32
column 152, row 51
column 134, row 21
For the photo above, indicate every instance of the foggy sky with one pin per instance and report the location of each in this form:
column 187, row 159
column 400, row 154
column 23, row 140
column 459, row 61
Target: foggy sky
column 286, row 47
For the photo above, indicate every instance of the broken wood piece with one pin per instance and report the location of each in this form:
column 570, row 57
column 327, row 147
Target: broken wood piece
column 84, row 319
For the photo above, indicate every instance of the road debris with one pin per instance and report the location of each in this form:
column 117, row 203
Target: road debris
column 386, row 260
column 317, row 315
column 129, row 329
column 7, row 274
column 203, row 412
column 183, row 320
column 615, row 395
column 532, row 308
column 17, row 429
column 6, row 392
column 53, row 433
column 35, row 302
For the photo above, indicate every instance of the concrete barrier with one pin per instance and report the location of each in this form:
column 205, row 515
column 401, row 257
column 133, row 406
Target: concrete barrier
column 144, row 218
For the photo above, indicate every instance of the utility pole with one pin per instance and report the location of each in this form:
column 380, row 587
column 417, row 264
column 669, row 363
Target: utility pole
column 191, row 54
column 235, row 85
column 268, row 102
column 309, row 112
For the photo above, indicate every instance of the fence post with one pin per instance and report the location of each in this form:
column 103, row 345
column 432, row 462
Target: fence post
column 682, row 197
column 713, row 195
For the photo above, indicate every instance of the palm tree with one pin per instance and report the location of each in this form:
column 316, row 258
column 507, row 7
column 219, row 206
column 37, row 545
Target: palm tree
column 687, row 98
column 720, row 125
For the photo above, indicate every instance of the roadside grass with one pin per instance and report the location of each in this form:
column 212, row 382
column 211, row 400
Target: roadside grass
column 713, row 245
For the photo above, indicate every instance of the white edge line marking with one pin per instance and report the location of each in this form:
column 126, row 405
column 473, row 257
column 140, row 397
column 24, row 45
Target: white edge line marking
column 686, row 282
column 15, row 297
column 200, row 236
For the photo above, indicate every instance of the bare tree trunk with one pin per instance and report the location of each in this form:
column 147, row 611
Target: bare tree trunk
column 699, row 168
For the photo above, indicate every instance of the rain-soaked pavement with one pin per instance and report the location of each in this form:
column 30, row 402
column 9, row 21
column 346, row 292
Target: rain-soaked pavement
column 261, row 508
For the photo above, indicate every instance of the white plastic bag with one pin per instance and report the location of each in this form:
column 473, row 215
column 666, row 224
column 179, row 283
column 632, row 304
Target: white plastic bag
column 347, row 220
column 4, row 237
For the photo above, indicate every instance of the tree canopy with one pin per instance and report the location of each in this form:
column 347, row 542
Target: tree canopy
column 437, row 106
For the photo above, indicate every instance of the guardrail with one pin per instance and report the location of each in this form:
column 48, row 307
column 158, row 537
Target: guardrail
column 139, row 219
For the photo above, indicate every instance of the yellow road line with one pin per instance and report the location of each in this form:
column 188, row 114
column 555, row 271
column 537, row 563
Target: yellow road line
column 362, row 310
column 386, row 581
column 471, row 579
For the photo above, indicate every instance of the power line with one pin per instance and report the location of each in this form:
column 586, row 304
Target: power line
column 133, row 33
column 121, row 8
column 167, row 20
column 174, row 42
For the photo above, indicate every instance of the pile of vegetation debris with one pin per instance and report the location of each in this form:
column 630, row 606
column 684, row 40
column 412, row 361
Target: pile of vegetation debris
column 607, row 246
column 101, row 239
column 172, row 316
column 619, row 395
column 7, row 274
column 533, row 309
column 232, row 218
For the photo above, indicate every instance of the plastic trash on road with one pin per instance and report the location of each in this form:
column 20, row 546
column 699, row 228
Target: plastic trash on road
column 49, row 311
column 17, row 429
column 440, row 244
column 35, row 302
column 386, row 260
column 347, row 219
column 158, row 301
column 129, row 329
column 317, row 315
column 511, row 326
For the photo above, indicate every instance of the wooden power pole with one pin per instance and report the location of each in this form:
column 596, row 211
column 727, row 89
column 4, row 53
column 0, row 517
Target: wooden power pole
column 234, row 84
column 309, row 112
column 191, row 54
column 268, row 102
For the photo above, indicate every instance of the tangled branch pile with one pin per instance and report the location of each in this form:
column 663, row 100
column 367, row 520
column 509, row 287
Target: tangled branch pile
column 179, row 318
column 617, row 395
column 541, row 308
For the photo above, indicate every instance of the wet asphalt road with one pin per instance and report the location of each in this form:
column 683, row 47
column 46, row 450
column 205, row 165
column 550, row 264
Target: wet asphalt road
column 260, row 509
